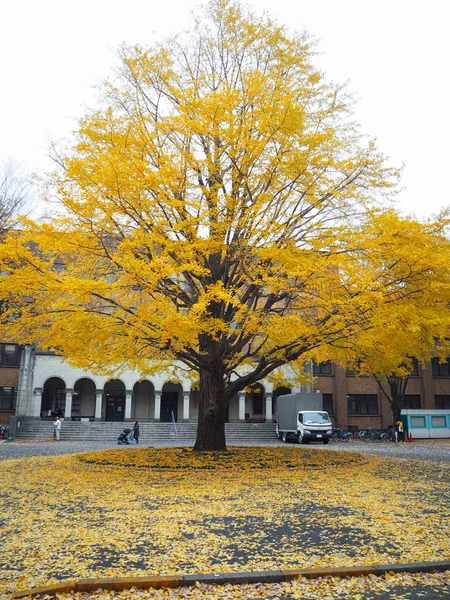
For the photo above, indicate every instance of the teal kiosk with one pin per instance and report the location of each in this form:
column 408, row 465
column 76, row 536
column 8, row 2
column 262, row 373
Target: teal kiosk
column 426, row 424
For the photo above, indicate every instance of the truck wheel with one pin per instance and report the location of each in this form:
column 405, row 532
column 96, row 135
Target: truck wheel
column 299, row 438
column 326, row 441
column 284, row 437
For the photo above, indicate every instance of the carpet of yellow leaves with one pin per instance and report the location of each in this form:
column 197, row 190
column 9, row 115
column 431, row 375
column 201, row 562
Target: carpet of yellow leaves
column 235, row 458
column 100, row 515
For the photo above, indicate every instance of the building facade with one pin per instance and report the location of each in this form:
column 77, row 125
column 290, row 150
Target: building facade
column 10, row 356
column 33, row 384
column 46, row 383
column 358, row 403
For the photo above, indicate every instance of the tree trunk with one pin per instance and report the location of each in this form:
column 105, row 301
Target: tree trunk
column 395, row 413
column 398, row 387
column 211, row 414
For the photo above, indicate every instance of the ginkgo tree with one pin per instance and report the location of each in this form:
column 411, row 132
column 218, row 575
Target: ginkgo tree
column 219, row 215
column 416, row 331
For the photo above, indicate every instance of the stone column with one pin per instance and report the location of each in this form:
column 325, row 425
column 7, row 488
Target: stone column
column 68, row 409
column 308, row 370
column 158, row 405
column 268, row 408
column 37, row 401
column 98, row 405
column 128, row 396
column 186, row 398
column 241, row 396
column 25, row 399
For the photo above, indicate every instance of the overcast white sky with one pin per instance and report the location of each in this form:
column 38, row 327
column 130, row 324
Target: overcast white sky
column 395, row 55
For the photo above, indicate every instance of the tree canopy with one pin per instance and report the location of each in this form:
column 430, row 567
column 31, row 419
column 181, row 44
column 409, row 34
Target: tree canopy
column 222, row 214
column 418, row 327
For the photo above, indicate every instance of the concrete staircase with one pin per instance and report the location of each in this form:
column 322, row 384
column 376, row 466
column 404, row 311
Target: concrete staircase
column 152, row 432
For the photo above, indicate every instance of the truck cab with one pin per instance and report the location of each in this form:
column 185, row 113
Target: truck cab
column 313, row 426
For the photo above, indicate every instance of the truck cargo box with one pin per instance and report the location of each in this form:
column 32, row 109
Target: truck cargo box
column 288, row 406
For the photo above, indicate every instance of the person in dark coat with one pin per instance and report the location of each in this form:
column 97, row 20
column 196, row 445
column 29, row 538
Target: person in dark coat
column 136, row 431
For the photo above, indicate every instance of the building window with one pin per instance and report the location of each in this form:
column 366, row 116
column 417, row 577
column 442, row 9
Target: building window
column 9, row 355
column 414, row 368
column 328, row 403
column 8, row 397
column 412, row 401
column 362, row 404
column 438, row 421
column 442, row 402
column 323, row 368
column 418, row 422
column 440, row 369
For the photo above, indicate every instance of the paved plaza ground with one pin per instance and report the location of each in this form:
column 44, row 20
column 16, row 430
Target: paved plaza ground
column 111, row 513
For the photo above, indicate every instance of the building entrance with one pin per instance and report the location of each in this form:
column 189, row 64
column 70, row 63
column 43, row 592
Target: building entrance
column 169, row 405
column 115, row 407
column 53, row 398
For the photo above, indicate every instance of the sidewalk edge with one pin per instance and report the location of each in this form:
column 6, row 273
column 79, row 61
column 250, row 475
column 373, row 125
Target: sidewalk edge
column 273, row 576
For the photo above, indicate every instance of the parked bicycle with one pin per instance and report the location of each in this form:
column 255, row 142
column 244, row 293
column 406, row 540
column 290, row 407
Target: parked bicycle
column 340, row 435
column 4, row 431
column 392, row 435
column 372, row 435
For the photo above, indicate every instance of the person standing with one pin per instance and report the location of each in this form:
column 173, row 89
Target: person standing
column 136, row 431
column 57, row 428
column 400, row 431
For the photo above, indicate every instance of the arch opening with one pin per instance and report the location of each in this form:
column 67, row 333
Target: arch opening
column 83, row 400
column 143, row 400
column 53, row 398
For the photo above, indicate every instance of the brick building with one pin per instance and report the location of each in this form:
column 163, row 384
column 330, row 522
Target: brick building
column 357, row 402
column 10, row 355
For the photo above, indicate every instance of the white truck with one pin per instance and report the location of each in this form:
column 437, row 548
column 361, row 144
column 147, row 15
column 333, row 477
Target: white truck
column 301, row 417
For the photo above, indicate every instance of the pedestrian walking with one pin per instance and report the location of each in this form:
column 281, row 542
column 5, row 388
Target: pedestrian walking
column 400, row 431
column 57, row 428
column 136, row 431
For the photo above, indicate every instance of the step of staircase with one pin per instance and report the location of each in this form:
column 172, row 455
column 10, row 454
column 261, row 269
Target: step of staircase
column 153, row 432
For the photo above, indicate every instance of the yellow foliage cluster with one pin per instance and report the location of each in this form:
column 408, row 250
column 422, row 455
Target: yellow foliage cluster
column 234, row 458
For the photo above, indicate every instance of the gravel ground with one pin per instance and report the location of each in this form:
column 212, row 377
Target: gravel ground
column 434, row 450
